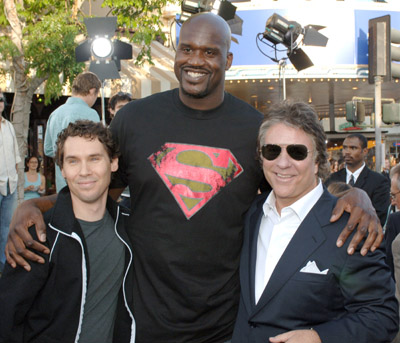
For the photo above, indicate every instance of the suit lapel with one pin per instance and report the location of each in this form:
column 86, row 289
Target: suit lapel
column 343, row 175
column 362, row 178
column 305, row 241
column 249, row 255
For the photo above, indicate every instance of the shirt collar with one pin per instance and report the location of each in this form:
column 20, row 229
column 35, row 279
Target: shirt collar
column 355, row 173
column 301, row 207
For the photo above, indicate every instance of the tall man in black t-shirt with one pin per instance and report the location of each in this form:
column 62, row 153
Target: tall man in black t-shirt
column 189, row 158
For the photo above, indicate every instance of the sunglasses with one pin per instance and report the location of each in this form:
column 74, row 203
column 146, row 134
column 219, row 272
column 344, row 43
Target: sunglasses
column 298, row 152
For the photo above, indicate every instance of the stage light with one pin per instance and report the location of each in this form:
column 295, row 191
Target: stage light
column 223, row 8
column 102, row 47
column 191, row 6
column 104, row 52
column 292, row 35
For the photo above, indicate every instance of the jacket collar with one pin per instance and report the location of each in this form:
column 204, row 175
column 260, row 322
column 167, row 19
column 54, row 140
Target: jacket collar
column 309, row 237
column 62, row 215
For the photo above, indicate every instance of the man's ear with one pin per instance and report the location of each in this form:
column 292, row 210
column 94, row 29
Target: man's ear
column 229, row 59
column 114, row 164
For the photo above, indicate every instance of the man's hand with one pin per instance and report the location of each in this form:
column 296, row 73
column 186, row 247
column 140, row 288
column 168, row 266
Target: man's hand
column 358, row 204
column 19, row 239
column 297, row 336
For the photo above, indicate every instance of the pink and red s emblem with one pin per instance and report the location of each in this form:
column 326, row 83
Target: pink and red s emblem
column 194, row 173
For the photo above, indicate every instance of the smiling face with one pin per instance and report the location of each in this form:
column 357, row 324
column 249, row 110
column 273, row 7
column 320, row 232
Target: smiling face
column 201, row 59
column 289, row 179
column 87, row 169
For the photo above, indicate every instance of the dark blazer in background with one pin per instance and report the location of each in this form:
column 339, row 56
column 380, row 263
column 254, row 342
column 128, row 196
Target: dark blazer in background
column 392, row 230
column 395, row 247
column 354, row 302
column 375, row 184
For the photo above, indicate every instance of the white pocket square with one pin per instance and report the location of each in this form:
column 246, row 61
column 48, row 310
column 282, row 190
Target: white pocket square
column 311, row 267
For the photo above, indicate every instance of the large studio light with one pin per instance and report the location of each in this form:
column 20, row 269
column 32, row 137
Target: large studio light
column 223, row 8
column 293, row 36
column 102, row 47
column 103, row 52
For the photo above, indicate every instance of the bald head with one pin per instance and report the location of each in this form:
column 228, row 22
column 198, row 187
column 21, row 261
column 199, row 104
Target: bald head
column 210, row 20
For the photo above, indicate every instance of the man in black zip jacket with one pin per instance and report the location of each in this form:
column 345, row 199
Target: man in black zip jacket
column 83, row 291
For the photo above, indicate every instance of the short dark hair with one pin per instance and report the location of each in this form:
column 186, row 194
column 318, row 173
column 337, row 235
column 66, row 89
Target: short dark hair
column 89, row 130
column 361, row 138
column 84, row 82
column 301, row 116
column 120, row 96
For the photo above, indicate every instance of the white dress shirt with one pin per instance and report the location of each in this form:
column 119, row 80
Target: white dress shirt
column 9, row 157
column 356, row 174
column 276, row 231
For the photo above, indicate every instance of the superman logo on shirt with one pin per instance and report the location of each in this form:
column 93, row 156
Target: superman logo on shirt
column 194, row 174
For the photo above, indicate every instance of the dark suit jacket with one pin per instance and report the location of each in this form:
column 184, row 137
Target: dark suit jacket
column 354, row 302
column 392, row 230
column 375, row 184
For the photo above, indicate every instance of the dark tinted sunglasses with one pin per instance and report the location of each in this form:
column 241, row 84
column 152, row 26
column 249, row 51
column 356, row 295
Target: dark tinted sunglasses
column 298, row 152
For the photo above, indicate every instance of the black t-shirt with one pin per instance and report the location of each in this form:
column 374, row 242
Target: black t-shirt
column 192, row 175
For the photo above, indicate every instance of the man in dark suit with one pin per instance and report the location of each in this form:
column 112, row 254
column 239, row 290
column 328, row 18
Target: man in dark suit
column 393, row 222
column 296, row 285
column 357, row 174
column 392, row 237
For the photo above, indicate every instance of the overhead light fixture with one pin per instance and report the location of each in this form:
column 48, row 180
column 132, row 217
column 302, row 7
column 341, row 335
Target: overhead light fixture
column 192, row 6
column 102, row 47
column 293, row 36
column 103, row 52
column 223, row 8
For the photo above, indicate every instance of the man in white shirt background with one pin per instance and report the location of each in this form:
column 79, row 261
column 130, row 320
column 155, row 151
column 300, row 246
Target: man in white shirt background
column 9, row 158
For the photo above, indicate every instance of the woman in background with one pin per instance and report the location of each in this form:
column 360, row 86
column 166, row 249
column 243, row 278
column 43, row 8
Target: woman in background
column 34, row 181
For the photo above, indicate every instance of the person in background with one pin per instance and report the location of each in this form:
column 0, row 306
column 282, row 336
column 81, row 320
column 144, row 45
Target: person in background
column 188, row 156
column 386, row 169
column 296, row 285
column 334, row 165
column 35, row 182
column 117, row 101
column 83, row 292
column 85, row 90
column 392, row 237
column 9, row 158
column 357, row 174
column 393, row 223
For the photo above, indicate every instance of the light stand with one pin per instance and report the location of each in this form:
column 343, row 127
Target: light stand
column 282, row 67
column 103, row 106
